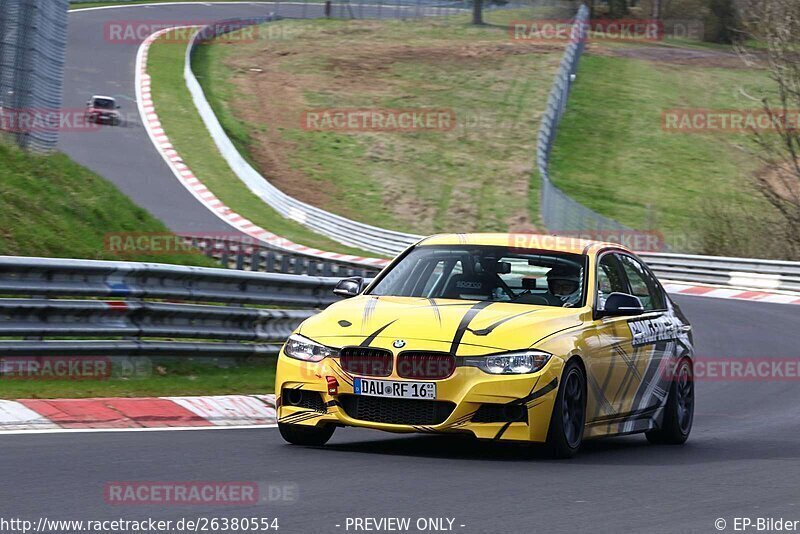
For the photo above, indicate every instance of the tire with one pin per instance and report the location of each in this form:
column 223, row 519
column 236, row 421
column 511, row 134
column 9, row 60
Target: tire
column 679, row 411
column 565, row 435
column 310, row 436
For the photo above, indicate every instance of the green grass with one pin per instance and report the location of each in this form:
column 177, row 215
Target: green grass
column 476, row 177
column 51, row 206
column 183, row 378
column 188, row 134
column 612, row 155
column 82, row 5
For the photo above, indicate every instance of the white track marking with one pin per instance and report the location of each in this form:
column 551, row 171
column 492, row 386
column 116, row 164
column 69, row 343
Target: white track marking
column 143, row 429
column 18, row 417
column 230, row 410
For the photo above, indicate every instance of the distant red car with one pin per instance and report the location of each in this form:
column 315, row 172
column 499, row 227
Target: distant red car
column 102, row 110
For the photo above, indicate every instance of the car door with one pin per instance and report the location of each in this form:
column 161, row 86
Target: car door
column 611, row 370
column 653, row 337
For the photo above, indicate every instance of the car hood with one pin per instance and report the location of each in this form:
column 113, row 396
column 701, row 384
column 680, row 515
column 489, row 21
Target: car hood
column 458, row 326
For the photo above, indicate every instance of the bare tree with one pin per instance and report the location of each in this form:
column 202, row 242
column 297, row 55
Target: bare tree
column 775, row 26
column 477, row 12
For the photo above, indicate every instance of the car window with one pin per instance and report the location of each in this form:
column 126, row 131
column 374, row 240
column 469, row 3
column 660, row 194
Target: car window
column 494, row 273
column 642, row 283
column 103, row 103
column 440, row 275
column 609, row 279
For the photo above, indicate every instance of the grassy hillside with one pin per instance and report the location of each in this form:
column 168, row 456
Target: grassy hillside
column 188, row 134
column 475, row 176
column 51, row 206
column 613, row 155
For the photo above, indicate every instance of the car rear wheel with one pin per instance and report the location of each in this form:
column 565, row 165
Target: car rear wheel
column 311, row 436
column 565, row 435
column 679, row 411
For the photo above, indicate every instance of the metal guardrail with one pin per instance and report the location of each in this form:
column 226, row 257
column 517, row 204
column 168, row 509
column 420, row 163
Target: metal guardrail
column 150, row 309
column 743, row 273
column 559, row 212
column 341, row 229
column 136, row 320
column 237, row 254
column 33, row 42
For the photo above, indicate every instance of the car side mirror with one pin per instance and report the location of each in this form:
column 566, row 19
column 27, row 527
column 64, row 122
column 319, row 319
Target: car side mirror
column 620, row 305
column 118, row 106
column 349, row 287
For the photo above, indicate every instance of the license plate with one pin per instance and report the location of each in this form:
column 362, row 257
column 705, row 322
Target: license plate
column 395, row 389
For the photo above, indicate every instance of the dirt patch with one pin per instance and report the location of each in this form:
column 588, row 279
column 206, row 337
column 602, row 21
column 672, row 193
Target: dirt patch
column 267, row 96
column 782, row 181
column 274, row 95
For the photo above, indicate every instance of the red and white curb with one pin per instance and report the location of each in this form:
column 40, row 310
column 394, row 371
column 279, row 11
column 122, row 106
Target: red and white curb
column 138, row 413
column 186, row 177
column 676, row 288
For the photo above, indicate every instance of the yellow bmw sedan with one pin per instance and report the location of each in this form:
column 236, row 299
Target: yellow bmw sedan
column 516, row 337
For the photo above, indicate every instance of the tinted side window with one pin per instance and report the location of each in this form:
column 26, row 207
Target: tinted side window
column 642, row 284
column 609, row 280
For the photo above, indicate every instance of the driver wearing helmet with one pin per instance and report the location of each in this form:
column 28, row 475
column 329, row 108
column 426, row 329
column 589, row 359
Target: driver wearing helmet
column 564, row 283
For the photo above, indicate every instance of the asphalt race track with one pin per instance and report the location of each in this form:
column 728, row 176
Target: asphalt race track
column 742, row 460
column 125, row 154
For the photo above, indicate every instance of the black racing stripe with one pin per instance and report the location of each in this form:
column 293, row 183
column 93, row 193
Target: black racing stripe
column 602, row 402
column 625, row 417
column 370, row 338
column 488, row 330
column 502, row 431
column 464, row 324
column 436, row 311
column 527, row 399
column 341, row 373
column 553, row 384
column 299, row 417
column 372, row 303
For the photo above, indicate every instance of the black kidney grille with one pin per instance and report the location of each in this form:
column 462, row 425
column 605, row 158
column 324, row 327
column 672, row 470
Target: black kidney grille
column 366, row 361
column 425, row 365
column 396, row 411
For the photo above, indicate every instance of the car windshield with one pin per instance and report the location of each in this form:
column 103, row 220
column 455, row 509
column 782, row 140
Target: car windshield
column 103, row 103
column 487, row 273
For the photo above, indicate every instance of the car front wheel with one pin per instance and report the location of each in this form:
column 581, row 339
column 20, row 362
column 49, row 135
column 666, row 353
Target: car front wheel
column 565, row 435
column 310, row 436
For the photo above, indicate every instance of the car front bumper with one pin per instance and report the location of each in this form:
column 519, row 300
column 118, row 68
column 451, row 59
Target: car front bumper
column 457, row 408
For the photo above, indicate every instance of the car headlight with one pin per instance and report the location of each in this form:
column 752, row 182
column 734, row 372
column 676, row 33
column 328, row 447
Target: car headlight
column 510, row 363
column 302, row 348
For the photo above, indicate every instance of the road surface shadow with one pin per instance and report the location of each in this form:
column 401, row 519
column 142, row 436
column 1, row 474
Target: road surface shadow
column 626, row 450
